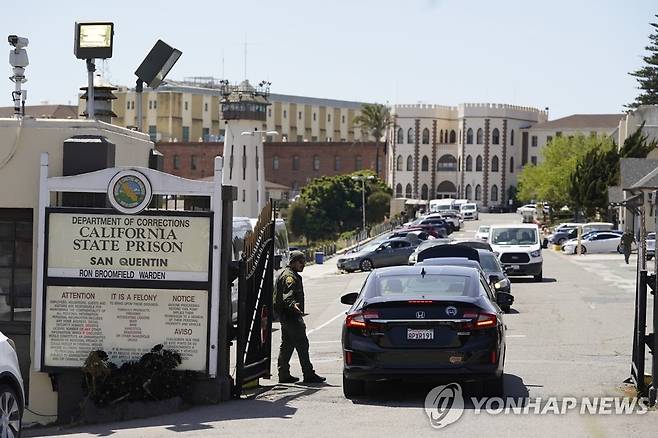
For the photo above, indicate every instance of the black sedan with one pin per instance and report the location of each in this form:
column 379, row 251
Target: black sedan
column 424, row 322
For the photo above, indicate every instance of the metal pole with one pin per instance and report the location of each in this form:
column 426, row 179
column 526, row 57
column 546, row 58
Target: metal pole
column 91, row 68
column 363, row 202
column 139, row 88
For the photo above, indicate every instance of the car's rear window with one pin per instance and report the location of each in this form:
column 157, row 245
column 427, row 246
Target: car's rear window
column 430, row 286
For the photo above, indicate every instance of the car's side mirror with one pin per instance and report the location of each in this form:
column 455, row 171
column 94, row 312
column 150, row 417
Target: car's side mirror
column 504, row 299
column 349, row 298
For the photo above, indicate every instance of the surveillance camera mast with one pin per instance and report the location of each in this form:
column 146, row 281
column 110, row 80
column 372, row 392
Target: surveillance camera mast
column 18, row 60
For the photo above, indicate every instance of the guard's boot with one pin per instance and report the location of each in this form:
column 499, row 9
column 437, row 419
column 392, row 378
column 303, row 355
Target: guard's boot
column 288, row 379
column 314, row 378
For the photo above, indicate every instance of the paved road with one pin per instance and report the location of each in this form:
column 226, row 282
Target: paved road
column 568, row 336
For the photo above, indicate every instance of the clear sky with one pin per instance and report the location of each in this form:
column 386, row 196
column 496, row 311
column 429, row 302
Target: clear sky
column 572, row 56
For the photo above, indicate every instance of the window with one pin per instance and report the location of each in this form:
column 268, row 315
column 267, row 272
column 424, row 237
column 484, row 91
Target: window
column 244, row 162
column 205, row 107
column 495, row 136
column 400, row 137
column 342, row 119
column 299, row 116
column 549, row 138
column 410, row 136
column 469, row 192
column 314, row 117
column 155, row 104
column 441, row 136
column 128, row 105
column 469, row 136
column 150, row 104
column 398, row 191
column 316, row 162
column 358, row 162
column 479, row 136
column 300, row 138
column 511, row 138
column 193, row 162
column 285, row 114
column 269, row 112
column 511, row 164
column 153, row 132
column 337, row 163
column 425, row 164
column 426, row 136
column 186, row 133
column 16, row 264
column 494, row 193
column 469, row 164
column 534, row 141
column 295, row 162
column 328, row 117
column 398, row 164
column 185, row 106
column 453, row 136
column 244, row 195
column 447, row 163
column 176, row 162
column 205, row 133
column 424, row 192
column 407, row 192
column 275, row 162
column 132, row 104
column 478, row 192
column 494, row 164
column 533, row 160
column 478, row 164
column 410, row 163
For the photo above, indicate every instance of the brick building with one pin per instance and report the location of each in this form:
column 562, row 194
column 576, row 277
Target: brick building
column 292, row 164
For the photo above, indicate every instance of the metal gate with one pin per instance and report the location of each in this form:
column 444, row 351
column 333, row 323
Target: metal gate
column 255, row 283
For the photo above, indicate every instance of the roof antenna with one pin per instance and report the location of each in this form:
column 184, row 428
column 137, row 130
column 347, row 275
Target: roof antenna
column 422, row 272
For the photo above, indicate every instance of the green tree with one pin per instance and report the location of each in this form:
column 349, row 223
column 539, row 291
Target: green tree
column 647, row 76
column 377, row 207
column 550, row 180
column 594, row 172
column 374, row 119
column 297, row 218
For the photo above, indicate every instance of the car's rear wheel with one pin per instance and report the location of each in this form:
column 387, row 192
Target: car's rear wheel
column 366, row 265
column 539, row 277
column 583, row 250
column 353, row 387
column 561, row 241
column 10, row 412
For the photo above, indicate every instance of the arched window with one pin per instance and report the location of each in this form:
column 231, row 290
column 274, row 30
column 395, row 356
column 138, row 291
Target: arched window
column 447, row 163
column 511, row 138
column 441, row 137
column 469, row 164
column 478, row 192
column 460, row 136
column 494, row 193
column 426, row 136
column 469, row 192
column 410, row 163
column 469, row 136
column 275, row 162
column 399, row 163
column 424, row 192
column 398, row 191
column 446, row 189
column 478, row 164
column 316, row 162
column 425, row 164
column 295, row 162
column 407, row 191
column 400, row 136
column 495, row 136
column 494, row 164
column 480, row 137
column 410, row 136
column 511, row 164
column 453, row 136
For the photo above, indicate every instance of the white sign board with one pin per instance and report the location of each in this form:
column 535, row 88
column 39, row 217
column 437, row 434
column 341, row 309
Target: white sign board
column 125, row 323
column 122, row 247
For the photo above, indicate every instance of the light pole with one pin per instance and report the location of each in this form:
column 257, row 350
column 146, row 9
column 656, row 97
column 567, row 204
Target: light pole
column 363, row 179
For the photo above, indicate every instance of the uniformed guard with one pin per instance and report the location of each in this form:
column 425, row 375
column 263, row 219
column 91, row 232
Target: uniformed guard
column 289, row 304
column 627, row 241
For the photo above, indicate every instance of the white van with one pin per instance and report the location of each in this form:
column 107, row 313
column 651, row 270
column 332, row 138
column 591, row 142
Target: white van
column 518, row 248
column 469, row 211
column 439, row 205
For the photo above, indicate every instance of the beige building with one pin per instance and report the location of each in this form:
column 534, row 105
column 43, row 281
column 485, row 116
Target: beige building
column 189, row 111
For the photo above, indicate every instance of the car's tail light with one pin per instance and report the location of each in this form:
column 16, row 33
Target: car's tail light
column 480, row 320
column 420, row 301
column 493, row 357
column 348, row 357
column 361, row 319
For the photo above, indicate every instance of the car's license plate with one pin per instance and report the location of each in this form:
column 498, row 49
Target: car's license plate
column 516, row 267
column 414, row 334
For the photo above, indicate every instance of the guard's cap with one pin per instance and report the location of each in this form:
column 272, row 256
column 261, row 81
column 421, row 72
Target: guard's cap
column 297, row 255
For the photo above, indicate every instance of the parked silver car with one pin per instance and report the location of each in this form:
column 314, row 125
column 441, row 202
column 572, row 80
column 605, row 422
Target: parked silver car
column 391, row 252
column 12, row 396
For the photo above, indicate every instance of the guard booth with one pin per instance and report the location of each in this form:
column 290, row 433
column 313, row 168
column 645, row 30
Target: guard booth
column 126, row 278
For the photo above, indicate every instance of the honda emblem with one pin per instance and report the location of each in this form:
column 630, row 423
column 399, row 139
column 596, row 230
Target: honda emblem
column 420, row 315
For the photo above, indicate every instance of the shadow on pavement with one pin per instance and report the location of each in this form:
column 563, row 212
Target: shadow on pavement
column 532, row 280
column 403, row 394
column 268, row 404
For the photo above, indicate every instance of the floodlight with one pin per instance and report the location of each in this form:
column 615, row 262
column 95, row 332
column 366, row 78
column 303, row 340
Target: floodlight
column 93, row 40
column 157, row 64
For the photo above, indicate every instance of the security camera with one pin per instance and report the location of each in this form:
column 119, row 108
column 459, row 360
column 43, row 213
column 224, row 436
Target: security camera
column 18, row 42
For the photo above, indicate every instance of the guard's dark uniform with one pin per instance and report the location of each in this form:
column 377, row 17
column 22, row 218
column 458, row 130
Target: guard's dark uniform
column 289, row 291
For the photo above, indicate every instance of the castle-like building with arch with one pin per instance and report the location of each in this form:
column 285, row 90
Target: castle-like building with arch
column 471, row 151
